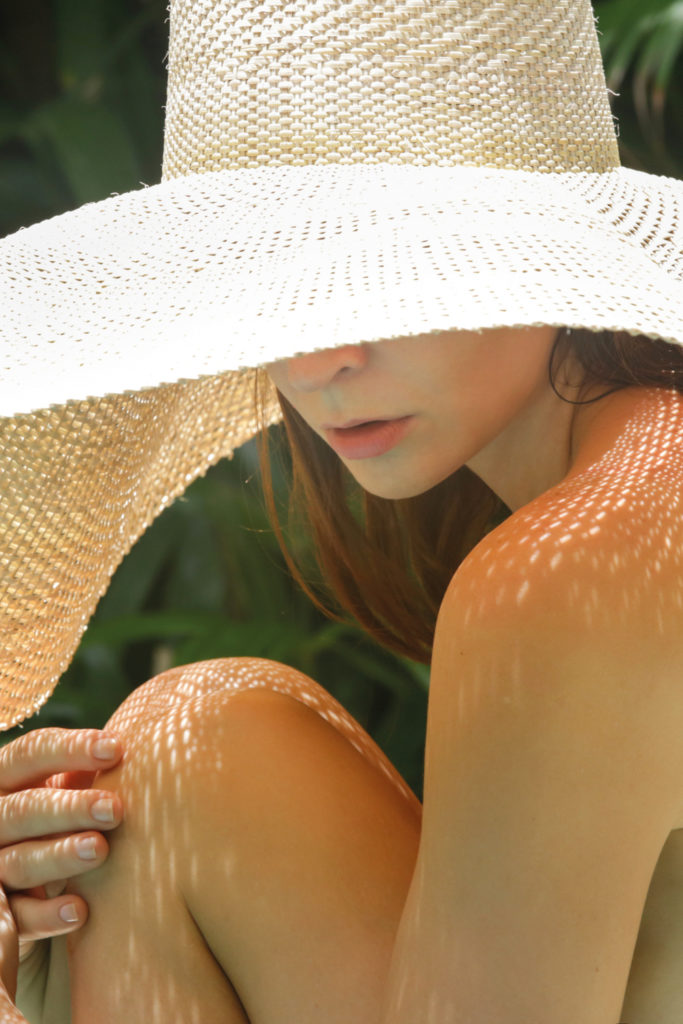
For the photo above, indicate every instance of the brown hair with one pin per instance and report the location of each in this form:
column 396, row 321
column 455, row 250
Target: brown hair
column 386, row 562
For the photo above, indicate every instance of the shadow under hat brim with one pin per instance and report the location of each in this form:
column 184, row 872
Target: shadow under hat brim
column 229, row 270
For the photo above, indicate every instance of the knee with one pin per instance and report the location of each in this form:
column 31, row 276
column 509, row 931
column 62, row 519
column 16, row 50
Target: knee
column 174, row 710
column 217, row 680
column 179, row 694
column 217, row 714
column 189, row 722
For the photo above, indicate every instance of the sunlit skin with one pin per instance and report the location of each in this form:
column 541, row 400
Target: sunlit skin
column 480, row 399
column 262, row 864
column 262, row 872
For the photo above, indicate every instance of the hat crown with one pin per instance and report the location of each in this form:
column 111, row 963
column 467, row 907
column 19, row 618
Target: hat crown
column 476, row 83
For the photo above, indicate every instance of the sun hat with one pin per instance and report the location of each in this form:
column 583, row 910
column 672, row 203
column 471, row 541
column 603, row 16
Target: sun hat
column 335, row 172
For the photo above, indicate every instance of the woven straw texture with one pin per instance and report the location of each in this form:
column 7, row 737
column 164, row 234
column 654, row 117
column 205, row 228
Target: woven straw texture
column 333, row 173
column 470, row 83
column 79, row 485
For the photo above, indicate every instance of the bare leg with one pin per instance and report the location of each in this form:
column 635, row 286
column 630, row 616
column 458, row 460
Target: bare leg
column 262, row 866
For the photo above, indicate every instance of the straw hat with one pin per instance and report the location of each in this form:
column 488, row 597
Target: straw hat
column 335, row 171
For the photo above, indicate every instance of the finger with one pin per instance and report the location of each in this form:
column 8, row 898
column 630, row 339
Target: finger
column 37, row 863
column 50, row 889
column 72, row 780
column 43, row 919
column 46, row 812
column 35, row 756
column 47, row 891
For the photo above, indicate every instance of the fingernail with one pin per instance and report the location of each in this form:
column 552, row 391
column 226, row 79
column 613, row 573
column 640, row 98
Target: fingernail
column 68, row 913
column 85, row 848
column 103, row 810
column 104, row 749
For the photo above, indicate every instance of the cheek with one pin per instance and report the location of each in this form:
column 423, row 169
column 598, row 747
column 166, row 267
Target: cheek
column 298, row 400
column 277, row 372
column 522, row 366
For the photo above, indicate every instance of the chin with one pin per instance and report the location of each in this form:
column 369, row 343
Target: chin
column 396, row 493
column 395, row 490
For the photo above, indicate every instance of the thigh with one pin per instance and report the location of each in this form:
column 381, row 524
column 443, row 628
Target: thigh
column 263, row 863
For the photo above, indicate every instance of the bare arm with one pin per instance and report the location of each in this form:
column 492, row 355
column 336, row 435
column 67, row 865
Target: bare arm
column 553, row 778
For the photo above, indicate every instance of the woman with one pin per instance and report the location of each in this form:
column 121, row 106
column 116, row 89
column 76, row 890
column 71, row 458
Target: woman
column 553, row 763
column 267, row 868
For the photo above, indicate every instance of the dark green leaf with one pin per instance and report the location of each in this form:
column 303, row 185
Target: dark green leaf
column 92, row 146
column 82, row 31
column 135, row 577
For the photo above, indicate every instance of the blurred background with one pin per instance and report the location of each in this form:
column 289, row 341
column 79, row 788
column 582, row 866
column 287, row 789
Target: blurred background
column 82, row 88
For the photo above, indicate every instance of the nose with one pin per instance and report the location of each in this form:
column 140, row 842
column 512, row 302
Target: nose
column 318, row 369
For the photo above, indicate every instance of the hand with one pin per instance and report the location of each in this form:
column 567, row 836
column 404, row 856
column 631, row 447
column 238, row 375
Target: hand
column 49, row 827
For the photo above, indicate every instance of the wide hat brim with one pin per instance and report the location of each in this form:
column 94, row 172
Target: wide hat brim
column 230, row 270
column 131, row 329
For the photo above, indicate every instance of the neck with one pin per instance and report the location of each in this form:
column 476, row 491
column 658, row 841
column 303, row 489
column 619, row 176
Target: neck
column 540, row 446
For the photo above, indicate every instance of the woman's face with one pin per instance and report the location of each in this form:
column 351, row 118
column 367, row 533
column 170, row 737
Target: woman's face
column 446, row 400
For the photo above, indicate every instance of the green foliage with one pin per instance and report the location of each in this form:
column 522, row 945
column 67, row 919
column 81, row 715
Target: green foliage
column 642, row 45
column 647, row 38
column 81, row 92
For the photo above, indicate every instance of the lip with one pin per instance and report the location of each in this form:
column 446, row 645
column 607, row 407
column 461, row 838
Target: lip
column 366, row 439
column 352, row 423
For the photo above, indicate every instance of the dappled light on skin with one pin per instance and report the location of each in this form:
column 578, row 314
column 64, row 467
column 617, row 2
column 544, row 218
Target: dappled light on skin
column 163, row 701
column 601, row 551
column 556, row 683
column 619, row 517
column 603, row 546
column 181, row 747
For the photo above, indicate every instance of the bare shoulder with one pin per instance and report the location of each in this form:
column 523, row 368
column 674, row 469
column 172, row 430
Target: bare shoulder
column 556, row 710
column 603, row 550
column 576, row 601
